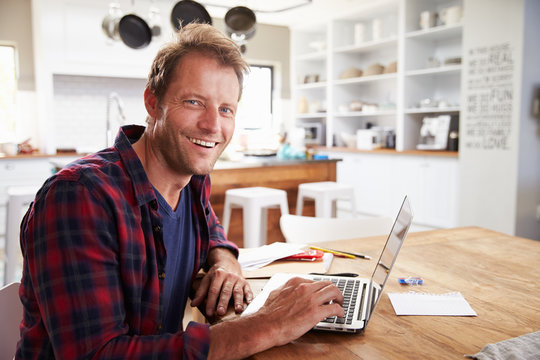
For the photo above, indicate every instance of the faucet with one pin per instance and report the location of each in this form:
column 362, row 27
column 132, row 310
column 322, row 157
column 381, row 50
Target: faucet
column 113, row 96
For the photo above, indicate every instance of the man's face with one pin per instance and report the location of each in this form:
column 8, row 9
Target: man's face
column 196, row 115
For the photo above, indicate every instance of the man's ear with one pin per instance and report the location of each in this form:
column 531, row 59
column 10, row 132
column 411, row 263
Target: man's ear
column 151, row 103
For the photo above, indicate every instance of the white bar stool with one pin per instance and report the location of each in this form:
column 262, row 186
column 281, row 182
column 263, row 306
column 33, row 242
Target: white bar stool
column 255, row 202
column 19, row 198
column 325, row 194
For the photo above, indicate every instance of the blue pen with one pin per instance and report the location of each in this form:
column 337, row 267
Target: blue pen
column 411, row 280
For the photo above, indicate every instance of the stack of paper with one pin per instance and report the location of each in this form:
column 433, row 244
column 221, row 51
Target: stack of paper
column 251, row 259
column 265, row 261
column 413, row 303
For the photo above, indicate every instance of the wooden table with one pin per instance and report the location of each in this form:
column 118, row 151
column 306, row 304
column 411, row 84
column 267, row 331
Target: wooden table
column 496, row 273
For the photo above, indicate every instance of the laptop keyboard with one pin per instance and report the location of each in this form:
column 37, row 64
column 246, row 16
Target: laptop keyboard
column 349, row 289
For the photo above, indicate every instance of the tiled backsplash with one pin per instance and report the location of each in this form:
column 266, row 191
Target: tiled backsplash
column 80, row 108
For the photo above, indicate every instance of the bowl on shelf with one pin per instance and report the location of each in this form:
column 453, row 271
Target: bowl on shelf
column 374, row 69
column 348, row 139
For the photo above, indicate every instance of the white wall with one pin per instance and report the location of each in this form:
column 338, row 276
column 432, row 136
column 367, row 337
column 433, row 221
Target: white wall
column 495, row 161
column 80, row 104
column 77, row 67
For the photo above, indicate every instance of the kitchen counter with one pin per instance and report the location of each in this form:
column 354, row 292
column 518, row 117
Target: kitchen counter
column 440, row 153
column 245, row 172
column 263, row 161
column 40, row 156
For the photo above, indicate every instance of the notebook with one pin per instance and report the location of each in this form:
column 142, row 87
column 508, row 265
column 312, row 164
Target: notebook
column 361, row 294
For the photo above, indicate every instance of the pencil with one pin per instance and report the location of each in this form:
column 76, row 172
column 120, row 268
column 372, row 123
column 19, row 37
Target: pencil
column 361, row 256
column 337, row 253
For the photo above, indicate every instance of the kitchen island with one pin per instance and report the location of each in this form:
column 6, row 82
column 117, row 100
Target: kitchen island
column 269, row 172
column 32, row 170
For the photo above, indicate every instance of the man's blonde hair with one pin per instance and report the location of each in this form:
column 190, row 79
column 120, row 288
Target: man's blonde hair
column 194, row 37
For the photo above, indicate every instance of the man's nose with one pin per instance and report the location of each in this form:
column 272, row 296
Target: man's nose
column 210, row 120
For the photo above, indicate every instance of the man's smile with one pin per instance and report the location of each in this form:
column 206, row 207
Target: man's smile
column 207, row 144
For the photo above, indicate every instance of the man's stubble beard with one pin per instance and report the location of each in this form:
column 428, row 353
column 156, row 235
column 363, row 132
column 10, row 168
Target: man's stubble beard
column 175, row 160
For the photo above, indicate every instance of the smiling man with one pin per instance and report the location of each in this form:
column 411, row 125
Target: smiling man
column 113, row 242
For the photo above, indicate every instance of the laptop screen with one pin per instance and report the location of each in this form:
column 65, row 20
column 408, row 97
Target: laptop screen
column 389, row 253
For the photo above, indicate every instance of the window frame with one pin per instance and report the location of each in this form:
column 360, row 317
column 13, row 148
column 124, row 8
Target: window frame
column 275, row 94
column 9, row 136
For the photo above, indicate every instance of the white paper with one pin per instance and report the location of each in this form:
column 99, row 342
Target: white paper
column 251, row 259
column 413, row 303
column 275, row 281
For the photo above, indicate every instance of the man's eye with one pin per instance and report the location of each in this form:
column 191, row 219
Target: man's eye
column 191, row 102
column 226, row 110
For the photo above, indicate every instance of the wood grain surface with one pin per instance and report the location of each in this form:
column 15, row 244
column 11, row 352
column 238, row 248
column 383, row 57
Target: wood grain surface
column 496, row 273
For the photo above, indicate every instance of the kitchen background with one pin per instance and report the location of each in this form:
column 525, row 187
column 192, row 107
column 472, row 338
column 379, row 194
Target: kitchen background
column 68, row 72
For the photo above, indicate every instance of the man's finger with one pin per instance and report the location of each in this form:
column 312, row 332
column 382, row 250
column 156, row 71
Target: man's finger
column 200, row 294
column 248, row 294
column 224, row 297
column 238, row 295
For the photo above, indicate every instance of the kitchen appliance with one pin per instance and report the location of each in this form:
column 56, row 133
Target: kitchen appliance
column 314, row 133
column 370, row 139
column 434, row 133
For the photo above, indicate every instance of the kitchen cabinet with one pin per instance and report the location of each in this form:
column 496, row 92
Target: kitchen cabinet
column 78, row 46
column 31, row 172
column 381, row 180
column 374, row 66
column 25, row 171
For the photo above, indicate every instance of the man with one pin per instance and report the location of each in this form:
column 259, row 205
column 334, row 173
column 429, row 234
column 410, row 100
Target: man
column 113, row 242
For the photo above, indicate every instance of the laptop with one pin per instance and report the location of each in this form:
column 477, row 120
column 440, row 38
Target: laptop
column 361, row 294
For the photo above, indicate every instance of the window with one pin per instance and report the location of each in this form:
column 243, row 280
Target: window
column 255, row 110
column 8, row 91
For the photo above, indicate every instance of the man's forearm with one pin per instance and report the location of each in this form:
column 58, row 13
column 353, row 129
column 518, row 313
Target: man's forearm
column 242, row 337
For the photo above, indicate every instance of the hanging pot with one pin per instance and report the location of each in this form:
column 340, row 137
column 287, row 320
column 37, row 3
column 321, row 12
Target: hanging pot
column 110, row 21
column 188, row 11
column 134, row 31
column 240, row 23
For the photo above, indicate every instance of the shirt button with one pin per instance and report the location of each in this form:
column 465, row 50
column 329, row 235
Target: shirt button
column 159, row 327
column 162, row 275
column 157, row 228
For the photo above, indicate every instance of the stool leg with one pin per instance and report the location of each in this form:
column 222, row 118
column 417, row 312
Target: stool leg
column 299, row 202
column 263, row 227
column 284, row 206
column 353, row 205
column 226, row 215
column 322, row 207
column 252, row 226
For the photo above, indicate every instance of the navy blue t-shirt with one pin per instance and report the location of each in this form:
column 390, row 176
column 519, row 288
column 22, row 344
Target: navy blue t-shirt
column 179, row 240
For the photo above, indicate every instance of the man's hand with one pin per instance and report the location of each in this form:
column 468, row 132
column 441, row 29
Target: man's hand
column 299, row 305
column 223, row 281
column 289, row 312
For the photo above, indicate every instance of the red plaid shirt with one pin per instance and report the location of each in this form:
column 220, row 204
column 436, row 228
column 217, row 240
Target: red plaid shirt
column 94, row 262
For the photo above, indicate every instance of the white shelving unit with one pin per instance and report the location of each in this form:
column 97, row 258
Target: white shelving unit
column 400, row 98
column 428, row 67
